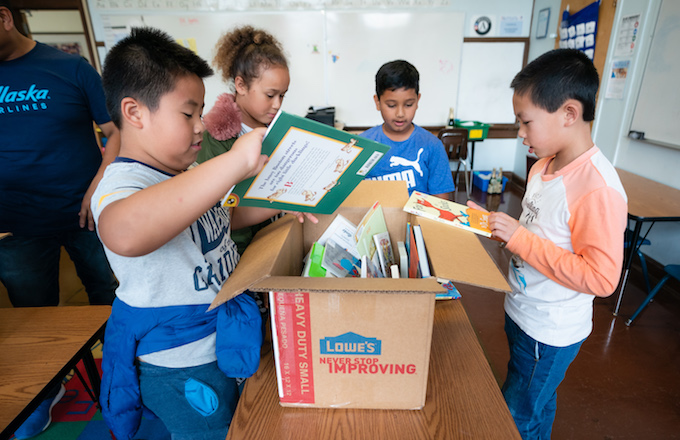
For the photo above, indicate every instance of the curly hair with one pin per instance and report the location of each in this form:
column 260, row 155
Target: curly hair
column 245, row 51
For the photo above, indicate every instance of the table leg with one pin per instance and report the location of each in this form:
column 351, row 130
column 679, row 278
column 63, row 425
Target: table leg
column 92, row 374
column 472, row 156
column 627, row 261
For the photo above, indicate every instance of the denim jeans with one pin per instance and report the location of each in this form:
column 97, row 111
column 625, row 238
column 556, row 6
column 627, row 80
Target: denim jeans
column 195, row 403
column 535, row 371
column 29, row 268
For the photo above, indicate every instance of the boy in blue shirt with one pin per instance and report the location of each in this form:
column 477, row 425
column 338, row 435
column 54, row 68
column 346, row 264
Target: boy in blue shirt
column 416, row 155
column 168, row 238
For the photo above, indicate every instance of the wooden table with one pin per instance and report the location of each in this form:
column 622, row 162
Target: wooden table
column 648, row 201
column 463, row 399
column 38, row 347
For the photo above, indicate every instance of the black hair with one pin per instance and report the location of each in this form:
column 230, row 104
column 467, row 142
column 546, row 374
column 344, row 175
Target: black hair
column 396, row 75
column 556, row 76
column 145, row 66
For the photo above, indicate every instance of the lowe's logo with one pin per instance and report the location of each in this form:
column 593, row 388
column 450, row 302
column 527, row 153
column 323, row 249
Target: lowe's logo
column 32, row 94
column 350, row 343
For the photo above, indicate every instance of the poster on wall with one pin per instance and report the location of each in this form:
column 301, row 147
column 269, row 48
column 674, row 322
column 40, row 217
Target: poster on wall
column 578, row 30
column 617, row 79
column 628, row 33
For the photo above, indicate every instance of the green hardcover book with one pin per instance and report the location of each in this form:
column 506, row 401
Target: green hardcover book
column 312, row 167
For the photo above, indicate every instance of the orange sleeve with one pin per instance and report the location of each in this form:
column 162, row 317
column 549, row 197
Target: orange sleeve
column 597, row 224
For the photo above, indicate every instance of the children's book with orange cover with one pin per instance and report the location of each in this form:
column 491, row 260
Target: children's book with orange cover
column 448, row 212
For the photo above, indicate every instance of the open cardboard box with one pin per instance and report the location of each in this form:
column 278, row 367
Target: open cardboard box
column 353, row 342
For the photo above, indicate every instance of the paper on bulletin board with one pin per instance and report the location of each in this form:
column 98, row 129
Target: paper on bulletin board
column 617, row 80
column 627, row 37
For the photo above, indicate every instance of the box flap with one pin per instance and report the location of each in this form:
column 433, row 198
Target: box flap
column 390, row 193
column 461, row 257
column 349, row 285
column 275, row 250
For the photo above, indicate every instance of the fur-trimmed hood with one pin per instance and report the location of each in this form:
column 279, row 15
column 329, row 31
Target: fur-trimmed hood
column 223, row 121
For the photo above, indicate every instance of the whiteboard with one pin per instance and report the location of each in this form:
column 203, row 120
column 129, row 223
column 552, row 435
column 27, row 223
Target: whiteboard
column 657, row 111
column 307, row 86
column 487, row 69
column 333, row 55
column 361, row 42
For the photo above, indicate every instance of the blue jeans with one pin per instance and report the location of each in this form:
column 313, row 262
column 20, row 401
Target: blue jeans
column 195, row 403
column 29, row 268
column 535, row 371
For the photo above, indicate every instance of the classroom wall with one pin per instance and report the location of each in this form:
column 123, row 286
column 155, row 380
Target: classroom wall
column 612, row 123
column 537, row 47
column 58, row 27
column 497, row 153
column 490, row 153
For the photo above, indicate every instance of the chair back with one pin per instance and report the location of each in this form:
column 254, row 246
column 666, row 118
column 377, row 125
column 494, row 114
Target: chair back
column 455, row 142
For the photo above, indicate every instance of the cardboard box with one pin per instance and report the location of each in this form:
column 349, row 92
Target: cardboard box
column 353, row 342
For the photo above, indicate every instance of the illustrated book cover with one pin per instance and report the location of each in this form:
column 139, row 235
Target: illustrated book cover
column 448, row 212
column 312, row 167
column 383, row 245
column 372, row 223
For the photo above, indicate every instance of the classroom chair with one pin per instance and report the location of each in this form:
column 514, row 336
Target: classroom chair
column 672, row 271
column 455, row 142
column 642, row 241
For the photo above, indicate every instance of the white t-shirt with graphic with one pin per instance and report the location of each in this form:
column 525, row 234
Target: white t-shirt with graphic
column 188, row 270
column 420, row 160
column 568, row 248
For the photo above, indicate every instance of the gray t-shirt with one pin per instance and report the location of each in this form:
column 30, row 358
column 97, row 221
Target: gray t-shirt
column 188, row 270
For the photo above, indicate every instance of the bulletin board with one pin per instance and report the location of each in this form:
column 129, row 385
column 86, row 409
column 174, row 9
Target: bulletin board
column 657, row 112
column 578, row 30
column 333, row 55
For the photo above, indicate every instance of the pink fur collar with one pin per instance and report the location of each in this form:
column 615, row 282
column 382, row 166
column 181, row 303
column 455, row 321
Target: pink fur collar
column 223, row 121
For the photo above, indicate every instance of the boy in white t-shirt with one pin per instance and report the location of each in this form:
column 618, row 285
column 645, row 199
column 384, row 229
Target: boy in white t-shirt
column 167, row 236
column 568, row 242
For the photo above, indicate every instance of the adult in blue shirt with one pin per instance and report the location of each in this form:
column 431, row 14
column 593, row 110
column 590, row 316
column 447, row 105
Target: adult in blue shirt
column 50, row 164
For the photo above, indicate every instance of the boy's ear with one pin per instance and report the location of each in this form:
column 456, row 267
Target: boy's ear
column 132, row 112
column 376, row 98
column 573, row 111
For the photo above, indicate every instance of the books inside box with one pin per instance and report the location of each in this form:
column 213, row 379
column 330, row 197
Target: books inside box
column 368, row 251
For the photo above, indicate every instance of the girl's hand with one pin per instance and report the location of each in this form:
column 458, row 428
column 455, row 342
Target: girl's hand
column 301, row 216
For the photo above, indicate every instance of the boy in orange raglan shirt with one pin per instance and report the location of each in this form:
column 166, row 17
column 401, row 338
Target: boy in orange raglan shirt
column 568, row 244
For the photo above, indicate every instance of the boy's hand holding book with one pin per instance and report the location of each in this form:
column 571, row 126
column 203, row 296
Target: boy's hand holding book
column 249, row 149
column 501, row 224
